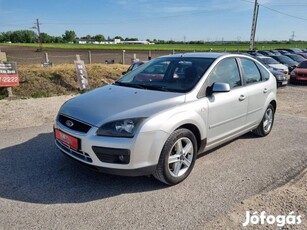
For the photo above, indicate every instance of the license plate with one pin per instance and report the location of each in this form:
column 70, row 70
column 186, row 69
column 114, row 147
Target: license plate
column 67, row 140
column 284, row 83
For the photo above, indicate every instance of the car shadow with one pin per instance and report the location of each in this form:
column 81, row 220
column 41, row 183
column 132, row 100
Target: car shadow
column 37, row 172
column 249, row 135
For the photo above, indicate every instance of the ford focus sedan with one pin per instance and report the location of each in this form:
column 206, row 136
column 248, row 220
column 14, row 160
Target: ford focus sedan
column 156, row 119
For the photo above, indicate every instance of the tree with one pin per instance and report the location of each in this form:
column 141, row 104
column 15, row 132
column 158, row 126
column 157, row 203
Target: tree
column 69, row 36
column 99, row 38
column 46, row 38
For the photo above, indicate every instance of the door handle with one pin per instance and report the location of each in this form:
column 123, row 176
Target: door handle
column 242, row 98
column 265, row 90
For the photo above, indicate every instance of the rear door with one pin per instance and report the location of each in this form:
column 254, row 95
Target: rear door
column 257, row 90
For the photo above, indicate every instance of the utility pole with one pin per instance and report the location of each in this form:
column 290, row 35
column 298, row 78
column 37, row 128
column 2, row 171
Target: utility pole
column 254, row 25
column 39, row 34
column 292, row 36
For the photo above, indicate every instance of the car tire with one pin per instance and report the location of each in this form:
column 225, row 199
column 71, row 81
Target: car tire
column 266, row 123
column 177, row 157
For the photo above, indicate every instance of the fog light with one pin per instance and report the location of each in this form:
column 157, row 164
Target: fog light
column 121, row 158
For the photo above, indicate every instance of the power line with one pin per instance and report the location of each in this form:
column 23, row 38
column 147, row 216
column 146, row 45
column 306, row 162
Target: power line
column 280, row 12
column 286, row 14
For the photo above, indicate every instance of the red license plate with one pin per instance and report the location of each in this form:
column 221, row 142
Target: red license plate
column 67, row 139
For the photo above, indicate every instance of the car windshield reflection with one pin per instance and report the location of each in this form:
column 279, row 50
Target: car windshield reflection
column 167, row 74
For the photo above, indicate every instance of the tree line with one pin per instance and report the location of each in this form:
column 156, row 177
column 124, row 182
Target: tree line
column 69, row 36
column 29, row 36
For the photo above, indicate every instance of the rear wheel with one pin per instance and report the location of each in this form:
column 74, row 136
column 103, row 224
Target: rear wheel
column 177, row 157
column 266, row 124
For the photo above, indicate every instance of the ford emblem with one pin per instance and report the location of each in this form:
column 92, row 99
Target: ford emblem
column 69, row 123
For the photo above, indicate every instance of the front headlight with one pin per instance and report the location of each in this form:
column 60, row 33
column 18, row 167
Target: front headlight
column 120, row 128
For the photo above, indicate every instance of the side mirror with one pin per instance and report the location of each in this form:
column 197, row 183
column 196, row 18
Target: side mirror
column 220, row 87
column 123, row 73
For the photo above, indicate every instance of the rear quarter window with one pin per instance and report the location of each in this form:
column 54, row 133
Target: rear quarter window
column 264, row 73
column 251, row 72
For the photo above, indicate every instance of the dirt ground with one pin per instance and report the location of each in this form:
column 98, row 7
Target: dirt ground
column 292, row 196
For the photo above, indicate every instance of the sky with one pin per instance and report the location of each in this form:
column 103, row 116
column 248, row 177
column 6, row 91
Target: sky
column 179, row 20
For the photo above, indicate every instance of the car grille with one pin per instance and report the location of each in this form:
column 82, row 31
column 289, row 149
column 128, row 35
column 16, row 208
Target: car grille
column 74, row 124
column 79, row 154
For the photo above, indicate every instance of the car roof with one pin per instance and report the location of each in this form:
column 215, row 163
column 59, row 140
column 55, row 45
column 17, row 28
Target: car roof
column 263, row 57
column 204, row 55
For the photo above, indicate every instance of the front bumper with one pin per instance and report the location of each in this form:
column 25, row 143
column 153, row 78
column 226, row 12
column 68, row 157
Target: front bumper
column 121, row 156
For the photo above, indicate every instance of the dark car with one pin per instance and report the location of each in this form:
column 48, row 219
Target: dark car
column 282, row 52
column 299, row 73
column 276, row 52
column 281, row 77
column 304, row 55
column 286, row 61
column 134, row 65
column 296, row 57
column 292, row 50
column 265, row 52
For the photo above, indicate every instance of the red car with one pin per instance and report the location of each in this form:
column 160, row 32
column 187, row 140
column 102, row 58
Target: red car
column 299, row 73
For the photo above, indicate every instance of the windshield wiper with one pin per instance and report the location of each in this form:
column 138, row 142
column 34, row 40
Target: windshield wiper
column 141, row 86
column 129, row 85
column 156, row 87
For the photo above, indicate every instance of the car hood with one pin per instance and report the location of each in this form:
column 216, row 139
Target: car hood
column 279, row 66
column 113, row 102
column 300, row 70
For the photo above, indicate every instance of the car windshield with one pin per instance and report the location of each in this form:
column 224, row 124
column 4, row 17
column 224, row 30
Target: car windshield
column 297, row 58
column 286, row 59
column 303, row 65
column 174, row 74
column 269, row 61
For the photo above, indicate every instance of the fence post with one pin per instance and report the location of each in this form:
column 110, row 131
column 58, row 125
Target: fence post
column 46, row 58
column 149, row 55
column 173, row 51
column 133, row 59
column 90, row 57
column 78, row 57
column 123, row 58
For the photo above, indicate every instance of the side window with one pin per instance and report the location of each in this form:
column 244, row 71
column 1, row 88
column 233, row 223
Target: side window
column 226, row 71
column 250, row 71
column 264, row 73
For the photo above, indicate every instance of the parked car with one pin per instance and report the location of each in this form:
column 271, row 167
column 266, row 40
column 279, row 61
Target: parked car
column 296, row 57
column 282, row 52
column 134, row 65
column 276, row 52
column 254, row 53
column 271, row 62
column 292, row 50
column 286, row 61
column 304, row 55
column 265, row 52
column 159, row 126
column 299, row 73
column 281, row 78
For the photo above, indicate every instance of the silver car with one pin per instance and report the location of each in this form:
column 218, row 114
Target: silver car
column 159, row 117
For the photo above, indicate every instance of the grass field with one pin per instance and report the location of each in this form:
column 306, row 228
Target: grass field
column 178, row 47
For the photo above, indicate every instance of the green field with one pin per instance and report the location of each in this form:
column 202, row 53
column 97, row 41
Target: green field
column 226, row 46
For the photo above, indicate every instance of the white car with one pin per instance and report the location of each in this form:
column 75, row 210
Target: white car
column 273, row 63
column 159, row 117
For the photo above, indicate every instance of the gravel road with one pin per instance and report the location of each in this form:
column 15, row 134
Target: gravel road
column 42, row 189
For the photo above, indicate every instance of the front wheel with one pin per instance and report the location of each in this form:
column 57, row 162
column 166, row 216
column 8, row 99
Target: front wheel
column 177, row 157
column 266, row 124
